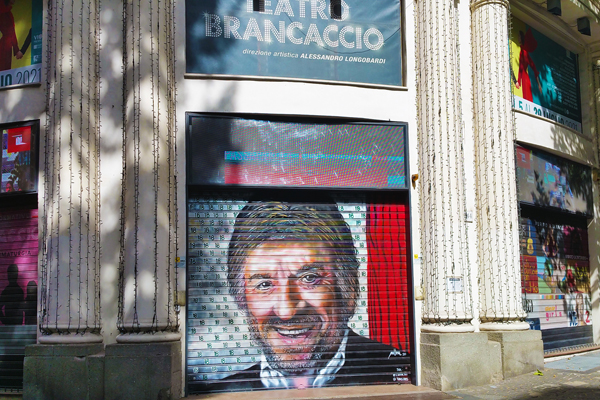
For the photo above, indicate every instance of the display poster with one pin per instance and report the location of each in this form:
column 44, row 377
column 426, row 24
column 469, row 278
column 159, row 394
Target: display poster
column 545, row 77
column 19, row 169
column 249, row 152
column 20, row 42
column 555, row 274
column 18, row 291
column 547, row 180
column 287, row 293
column 348, row 41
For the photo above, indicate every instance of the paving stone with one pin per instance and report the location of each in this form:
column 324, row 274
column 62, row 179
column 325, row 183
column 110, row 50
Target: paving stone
column 554, row 384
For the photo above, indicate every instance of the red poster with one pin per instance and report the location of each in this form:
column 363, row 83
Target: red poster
column 529, row 276
column 19, row 139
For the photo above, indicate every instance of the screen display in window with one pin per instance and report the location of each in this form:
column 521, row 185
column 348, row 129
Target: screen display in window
column 550, row 181
column 18, row 159
column 249, row 152
column 545, row 77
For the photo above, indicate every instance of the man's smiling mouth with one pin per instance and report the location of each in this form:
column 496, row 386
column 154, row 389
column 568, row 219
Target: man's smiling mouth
column 292, row 333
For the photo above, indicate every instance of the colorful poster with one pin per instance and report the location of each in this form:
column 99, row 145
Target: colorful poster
column 348, row 41
column 20, row 42
column 285, row 293
column 18, row 267
column 545, row 77
column 19, row 170
column 18, row 291
column 555, row 274
column 249, row 152
column 550, row 181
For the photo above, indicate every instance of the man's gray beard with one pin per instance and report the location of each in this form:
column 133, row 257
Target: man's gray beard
column 318, row 359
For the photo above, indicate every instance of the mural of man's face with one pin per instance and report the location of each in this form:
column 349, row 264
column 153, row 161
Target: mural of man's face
column 290, row 290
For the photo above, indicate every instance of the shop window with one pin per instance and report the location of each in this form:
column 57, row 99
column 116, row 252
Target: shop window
column 258, row 5
column 335, row 9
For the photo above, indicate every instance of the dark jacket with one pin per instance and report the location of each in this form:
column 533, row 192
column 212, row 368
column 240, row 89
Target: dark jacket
column 367, row 362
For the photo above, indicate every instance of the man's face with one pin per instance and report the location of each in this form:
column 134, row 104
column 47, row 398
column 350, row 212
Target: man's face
column 291, row 298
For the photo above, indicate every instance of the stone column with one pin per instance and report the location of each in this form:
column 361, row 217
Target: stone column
column 496, row 189
column 446, row 275
column 594, row 224
column 70, row 179
column 69, row 211
column 146, row 361
column 148, row 214
column 501, row 311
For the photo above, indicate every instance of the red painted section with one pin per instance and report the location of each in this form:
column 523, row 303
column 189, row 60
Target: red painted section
column 387, row 224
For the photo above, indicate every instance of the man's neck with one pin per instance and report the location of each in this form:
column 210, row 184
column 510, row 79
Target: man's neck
column 301, row 382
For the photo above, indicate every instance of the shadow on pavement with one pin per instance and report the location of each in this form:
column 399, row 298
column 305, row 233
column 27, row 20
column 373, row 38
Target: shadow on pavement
column 554, row 393
column 563, row 393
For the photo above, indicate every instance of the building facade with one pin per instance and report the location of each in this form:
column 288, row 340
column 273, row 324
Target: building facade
column 213, row 196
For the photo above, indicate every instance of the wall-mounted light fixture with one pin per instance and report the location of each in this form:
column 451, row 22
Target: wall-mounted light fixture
column 583, row 26
column 414, row 179
column 554, row 7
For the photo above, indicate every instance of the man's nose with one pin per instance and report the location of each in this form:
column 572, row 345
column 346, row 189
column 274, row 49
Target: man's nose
column 288, row 302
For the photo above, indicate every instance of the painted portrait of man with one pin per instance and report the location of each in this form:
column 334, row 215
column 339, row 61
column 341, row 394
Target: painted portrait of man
column 292, row 270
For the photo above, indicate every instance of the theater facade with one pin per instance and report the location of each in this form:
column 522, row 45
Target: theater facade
column 203, row 197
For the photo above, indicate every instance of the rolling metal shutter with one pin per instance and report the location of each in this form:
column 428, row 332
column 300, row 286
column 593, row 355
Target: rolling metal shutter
column 555, row 272
column 18, row 292
column 296, row 282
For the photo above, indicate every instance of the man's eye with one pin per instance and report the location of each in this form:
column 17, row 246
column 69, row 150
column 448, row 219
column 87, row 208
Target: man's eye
column 310, row 278
column 264, row 285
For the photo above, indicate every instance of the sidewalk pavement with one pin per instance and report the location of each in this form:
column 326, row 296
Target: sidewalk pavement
column 564, row 378
column 369, row 392
column 573, row 377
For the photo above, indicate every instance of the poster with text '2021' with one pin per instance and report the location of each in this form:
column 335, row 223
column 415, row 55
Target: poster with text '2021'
column 545, row 77
column 340, row 41
column 20, row 42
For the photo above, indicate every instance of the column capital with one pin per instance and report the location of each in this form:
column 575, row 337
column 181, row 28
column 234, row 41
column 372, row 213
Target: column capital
column 480, row 3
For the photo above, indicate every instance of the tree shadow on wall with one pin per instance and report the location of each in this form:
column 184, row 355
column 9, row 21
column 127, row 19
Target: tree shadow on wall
column 208, row 54
column 569, row 142
column 540, row 197
column 579, row 178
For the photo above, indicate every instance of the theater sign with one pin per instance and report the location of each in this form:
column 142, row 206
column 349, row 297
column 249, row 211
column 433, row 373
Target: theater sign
column 341, row 41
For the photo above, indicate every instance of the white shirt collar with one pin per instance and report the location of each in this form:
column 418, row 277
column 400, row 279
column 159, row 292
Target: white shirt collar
column 272, row 378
